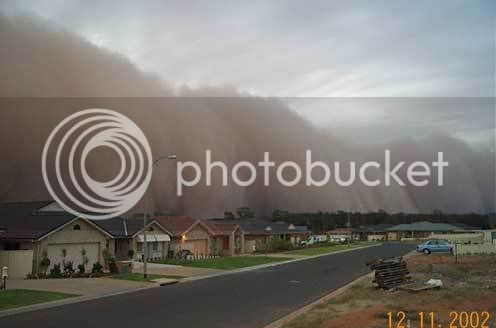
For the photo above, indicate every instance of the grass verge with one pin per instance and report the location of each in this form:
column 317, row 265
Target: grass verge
column 310, row 251
column 225, row 263
column 469, row 286
column 13, row 298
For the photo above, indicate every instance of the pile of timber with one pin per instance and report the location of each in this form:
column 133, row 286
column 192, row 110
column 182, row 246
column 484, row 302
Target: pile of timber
column 390, row 273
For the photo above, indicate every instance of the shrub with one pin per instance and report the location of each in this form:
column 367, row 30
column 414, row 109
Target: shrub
column 112, row 266
column 130, row 254
column 56, row 272
column 31, row 276
column 277, row 244
column 68, row 269
column 97, row 268
column 81, row 268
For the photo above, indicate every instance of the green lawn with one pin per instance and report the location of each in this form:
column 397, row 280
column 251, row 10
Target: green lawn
column 226, row 262
column 139, row 277
column 12, row 298
column 326, row 249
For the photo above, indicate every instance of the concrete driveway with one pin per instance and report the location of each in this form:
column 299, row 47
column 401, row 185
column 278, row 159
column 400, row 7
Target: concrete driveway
column 78, row 286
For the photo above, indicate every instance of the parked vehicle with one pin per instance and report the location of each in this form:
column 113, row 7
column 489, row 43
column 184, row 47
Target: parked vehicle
column 338, row 239
column 183, row 254
column 314, row 239
column 438, row 246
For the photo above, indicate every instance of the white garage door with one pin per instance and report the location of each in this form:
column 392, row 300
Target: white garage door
column 74, row 254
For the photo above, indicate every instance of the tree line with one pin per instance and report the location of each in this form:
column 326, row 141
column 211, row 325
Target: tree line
column 325, row 221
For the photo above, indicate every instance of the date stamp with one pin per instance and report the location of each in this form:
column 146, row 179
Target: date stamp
column 457, row 319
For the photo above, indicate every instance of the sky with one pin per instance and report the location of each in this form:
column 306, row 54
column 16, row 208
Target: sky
column 304, row 52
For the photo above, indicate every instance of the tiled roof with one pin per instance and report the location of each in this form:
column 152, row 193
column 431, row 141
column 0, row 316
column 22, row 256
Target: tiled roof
column 263, row 227
column 463, row 226
column 221, row 228
column 23, row 221
column 423, row 226
column 177, row 225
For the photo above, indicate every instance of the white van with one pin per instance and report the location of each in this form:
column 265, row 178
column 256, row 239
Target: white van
column 314, row 239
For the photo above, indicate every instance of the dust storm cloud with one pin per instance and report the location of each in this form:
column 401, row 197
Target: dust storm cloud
column 48, row 73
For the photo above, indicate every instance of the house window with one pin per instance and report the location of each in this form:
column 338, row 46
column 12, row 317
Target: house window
column 139, row 246
column 155, row 246
column 76, row 227
column 151, row 229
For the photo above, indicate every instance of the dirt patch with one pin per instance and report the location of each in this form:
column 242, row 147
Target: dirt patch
column 469, row 285
column 366, row 317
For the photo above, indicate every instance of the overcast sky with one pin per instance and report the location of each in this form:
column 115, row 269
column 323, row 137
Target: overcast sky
column 303, row 49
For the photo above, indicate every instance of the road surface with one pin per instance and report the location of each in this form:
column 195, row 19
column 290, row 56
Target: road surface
column 245, row 299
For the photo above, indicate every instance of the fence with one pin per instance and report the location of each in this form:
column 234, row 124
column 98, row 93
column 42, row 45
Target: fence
column 485, row 248
column 20, row 262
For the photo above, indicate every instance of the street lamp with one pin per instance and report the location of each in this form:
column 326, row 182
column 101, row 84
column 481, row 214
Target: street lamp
column 145, row 246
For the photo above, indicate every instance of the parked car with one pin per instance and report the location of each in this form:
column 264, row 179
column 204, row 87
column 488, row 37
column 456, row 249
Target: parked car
column 437, row 246
column 314, row 239
column 183, row 254
column 338, row 239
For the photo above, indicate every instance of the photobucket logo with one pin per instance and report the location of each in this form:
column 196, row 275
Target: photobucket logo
column 417, row 173
column 79, row 134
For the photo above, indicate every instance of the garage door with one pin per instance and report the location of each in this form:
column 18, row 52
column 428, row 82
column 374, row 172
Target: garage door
column 196, row 246
column 74, row 253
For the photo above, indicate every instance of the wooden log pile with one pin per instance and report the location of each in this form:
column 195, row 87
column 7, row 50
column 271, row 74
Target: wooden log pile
column 390, row 273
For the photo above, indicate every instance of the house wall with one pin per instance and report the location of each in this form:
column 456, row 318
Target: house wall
column 162, row 247
column 490, row 236
column 259, row 241
column 377, row 236
column 197, row 241
column 392, row 236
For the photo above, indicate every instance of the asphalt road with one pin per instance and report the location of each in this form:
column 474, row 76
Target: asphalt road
column 245, row 299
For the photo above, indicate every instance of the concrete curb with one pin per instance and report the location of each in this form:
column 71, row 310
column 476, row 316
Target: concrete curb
column 269, row 265
column 286, row 319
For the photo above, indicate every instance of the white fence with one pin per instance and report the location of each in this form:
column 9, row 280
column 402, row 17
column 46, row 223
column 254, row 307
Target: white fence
column 485, row 248
column 20, row 262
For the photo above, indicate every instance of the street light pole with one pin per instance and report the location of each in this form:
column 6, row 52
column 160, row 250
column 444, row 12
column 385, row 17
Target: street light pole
column 145, row 201
column 349, row 229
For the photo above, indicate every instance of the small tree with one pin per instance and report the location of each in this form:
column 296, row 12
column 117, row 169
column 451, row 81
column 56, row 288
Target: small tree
column 56, row 272
column 228, row 215
column 97, row 268
column 245, row 212
column 45, row 263
column 109, row 261
column 64, row 254
column 84, row 262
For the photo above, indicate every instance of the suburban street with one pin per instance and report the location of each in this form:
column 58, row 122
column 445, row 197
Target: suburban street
column 246, row 299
